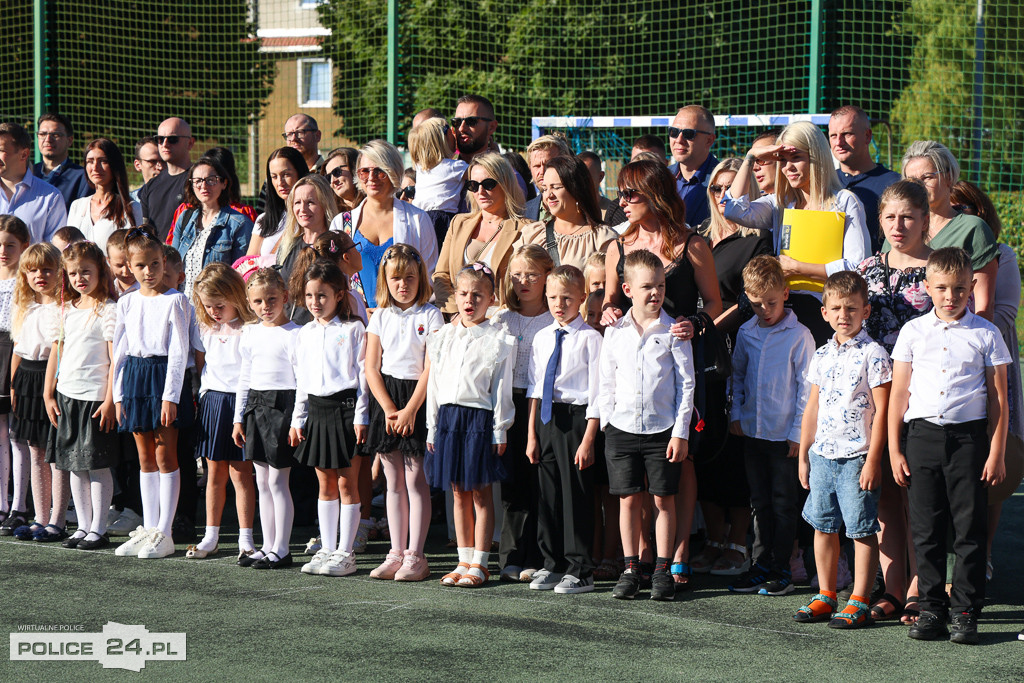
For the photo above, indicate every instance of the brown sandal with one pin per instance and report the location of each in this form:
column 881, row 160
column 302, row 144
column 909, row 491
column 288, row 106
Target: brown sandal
column 472, row 580
column 452, row 578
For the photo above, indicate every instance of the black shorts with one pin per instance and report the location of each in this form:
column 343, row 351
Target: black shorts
column 631, row 456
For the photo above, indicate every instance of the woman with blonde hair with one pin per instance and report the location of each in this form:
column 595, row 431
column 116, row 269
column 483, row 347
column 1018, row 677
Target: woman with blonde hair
column 488, row 233
column 380, row 221
column 310, row 209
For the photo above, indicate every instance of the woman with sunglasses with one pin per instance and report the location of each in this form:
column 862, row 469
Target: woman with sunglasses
column 488, row 233
column 381, row 220
column 285, row 167
column 575, row 230
column 110, row 207
column 209, row 230
column 340, row 171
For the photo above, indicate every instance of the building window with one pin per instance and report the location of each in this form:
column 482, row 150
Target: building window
column 314, row 83
column 310, row 4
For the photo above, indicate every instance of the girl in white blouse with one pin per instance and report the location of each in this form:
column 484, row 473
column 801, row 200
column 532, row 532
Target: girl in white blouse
column 330, row 414
column 79, row 393
column 222, row 310
column 151, row 347
column 34, row 328
column 469, row 411
column 396, row 372
column 264, row 402
column 525, row 313
column 14, row 238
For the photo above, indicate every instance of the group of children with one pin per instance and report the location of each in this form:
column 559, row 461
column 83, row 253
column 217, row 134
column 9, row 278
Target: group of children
column 106, row 343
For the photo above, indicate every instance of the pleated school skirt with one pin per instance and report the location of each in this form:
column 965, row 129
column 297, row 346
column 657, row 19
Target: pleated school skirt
column 78, row 444
column 265, row 420
column 142, row 390
column 378, row 440
column 463, row 454
column 30, row 422
column 216, row 421
column 329, row 436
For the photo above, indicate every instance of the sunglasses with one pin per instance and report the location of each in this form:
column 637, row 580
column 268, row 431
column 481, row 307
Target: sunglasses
column 406, row 193
column 718, row 189
column 470, row 121
column 169, row 139
column 687, row 133
column 488, row 184
column 377, row 173
column 630, row 196
column 339, row 172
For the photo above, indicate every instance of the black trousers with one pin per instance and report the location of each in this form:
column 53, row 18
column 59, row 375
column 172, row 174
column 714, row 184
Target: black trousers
column 775, row 498
column 945, row 483
column 565, row 509
column 518, row 546
column 186, row 450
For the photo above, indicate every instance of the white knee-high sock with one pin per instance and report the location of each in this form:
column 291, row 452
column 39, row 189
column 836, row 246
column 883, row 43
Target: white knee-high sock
column 267, row 526
column 101, row 493
column 170, row 487
column 60, row 487
column 284, row 509
column 5, row 462
column 21, row 469
column 327, row 512
column 149, row 488
column 83, row 504
column 348, row 525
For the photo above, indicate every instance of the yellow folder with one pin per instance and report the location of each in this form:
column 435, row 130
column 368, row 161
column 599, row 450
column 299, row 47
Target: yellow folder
column 811, row 237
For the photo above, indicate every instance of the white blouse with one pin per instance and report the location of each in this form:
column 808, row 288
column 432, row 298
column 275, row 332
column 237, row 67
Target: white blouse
column 269, row 243
column 80, row 216
column 222, row 367
column 268, row 361
column 403, row 338
column 332, row 358
column 38, row 331
column 523, row 329
column 439, row 188
column 471, row 367
column 83, row 370
column 149, row 326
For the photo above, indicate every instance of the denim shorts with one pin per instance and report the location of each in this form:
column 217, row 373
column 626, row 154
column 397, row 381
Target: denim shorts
column 836, row 497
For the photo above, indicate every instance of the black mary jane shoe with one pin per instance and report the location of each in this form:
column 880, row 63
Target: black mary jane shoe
column 101, row 542
column 268, row 563
column 71, row 542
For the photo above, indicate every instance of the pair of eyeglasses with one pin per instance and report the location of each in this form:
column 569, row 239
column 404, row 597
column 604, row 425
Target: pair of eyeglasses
column 296, row 134
column 56, row 135
column 630, row 196
column 531, row 278
column 687, row 133
column 475, row 185
column 339, row 172
column 718, row 189
column 924, row 177
column 168, row 139
column 764, row 161
column 377, row 173
column 406, row 193
column 470, row 121
column 209, row 181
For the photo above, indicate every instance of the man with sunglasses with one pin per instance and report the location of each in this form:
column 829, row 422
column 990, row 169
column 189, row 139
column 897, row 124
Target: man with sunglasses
column 690, row 138
column 162, row 195
column 55, row 136
column 474, row 126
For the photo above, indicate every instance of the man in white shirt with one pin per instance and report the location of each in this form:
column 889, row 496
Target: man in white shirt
column 22, row 194
column 646, row 401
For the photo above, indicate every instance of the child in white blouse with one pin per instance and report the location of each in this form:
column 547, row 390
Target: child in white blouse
column 525, row 313
column 264, row 402
column 439, row 177
column 330, row 414
column 14, row 238
column 222, row 310
column 34, row 328
column 396, row 373
column 469, row 411
column 151, row 346
column 79, row 393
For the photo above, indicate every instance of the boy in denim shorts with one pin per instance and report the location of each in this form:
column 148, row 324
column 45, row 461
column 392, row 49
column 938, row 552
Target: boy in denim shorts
column 842, row 439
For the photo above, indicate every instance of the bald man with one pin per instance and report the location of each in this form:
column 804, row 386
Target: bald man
column 302, row 133
column 163, row 193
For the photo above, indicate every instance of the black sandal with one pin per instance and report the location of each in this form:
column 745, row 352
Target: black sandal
column 878, row 613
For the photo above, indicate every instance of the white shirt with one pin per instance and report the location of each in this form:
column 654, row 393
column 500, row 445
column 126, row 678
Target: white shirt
column 80, row 216
column 523, row 329
column 845, row 375
column 439, row 188
column 328, row 359
column 646, row 378
column 769, row 387
column 948, row 362
column 410, row 225
column 38, row 331
column 223, row 363
column 403, row 338
column 578, row 376
column 149, row 326
column 471, row 367
column 195, row 337
column 269, row 243
column 83, row 370
column 268, row 361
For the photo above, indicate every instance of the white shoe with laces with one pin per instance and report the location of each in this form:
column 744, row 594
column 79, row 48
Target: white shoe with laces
column 124, row 524
column 160, row 545
column 137, row 539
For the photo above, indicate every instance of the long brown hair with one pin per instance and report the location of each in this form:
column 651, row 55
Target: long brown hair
column 119, row 209
column 577, row 181
column 658, row 187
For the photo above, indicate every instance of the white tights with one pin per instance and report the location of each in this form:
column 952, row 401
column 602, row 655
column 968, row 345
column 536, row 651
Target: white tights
column 408, row 502
column 92, row 491
column 276, row 508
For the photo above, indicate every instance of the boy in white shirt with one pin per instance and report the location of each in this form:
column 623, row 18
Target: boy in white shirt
column 949, row 405
column 646, row 400
column 769, row 392
column 562, row 388
column 841, row 444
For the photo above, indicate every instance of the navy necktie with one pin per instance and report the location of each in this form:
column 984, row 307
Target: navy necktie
column 549, row 377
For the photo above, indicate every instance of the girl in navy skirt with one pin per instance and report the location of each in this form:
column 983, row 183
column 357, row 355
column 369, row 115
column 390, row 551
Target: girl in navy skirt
column 263, row 407
column 469, row 410
column 222, row 310
column 79, row 393
column 151, row 346
column 34, row 327
column 396, row 372
column 14, row 239
column 330, row 413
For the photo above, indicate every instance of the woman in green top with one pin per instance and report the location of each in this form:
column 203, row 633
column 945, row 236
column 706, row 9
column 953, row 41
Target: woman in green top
column 934, row 166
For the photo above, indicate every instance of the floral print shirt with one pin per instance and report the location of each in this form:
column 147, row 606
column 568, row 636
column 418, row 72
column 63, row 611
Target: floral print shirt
column 896, row 297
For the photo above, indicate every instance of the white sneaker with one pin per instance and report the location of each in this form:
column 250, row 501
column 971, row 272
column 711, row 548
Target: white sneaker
column 511, row 572
column 313, row 566
column 314, row 545
column 112, row 514
column 124, row 524
column 570, row 584
column 544, row 580
column 136, row 540
column 160, row 545
column 340, row 563
column 362, row 536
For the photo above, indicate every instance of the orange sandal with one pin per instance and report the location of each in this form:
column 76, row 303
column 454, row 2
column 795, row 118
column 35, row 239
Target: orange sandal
column 452, row 578
column 473, row 581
